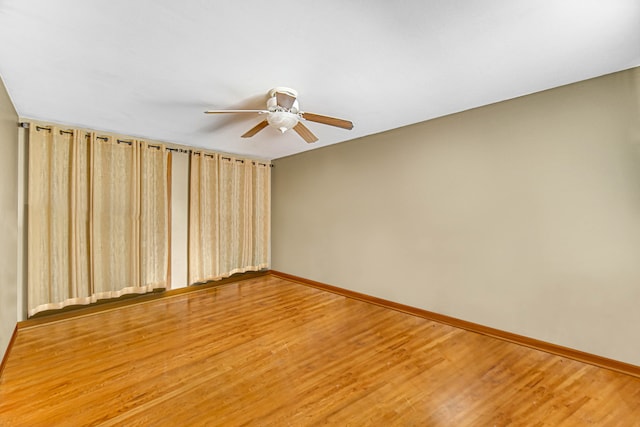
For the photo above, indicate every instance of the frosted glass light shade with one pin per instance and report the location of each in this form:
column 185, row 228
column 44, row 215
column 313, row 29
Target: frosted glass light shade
column 282, row 120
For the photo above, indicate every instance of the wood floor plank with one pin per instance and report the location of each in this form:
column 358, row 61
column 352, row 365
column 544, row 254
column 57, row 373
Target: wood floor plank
column 267, row 351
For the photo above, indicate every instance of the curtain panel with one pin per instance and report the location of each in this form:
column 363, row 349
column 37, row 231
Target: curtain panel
column 229, row 221
column 98, row 222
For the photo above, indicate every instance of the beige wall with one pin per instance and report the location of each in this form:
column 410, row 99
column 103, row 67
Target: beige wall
column 8, row 218
column 522, row 215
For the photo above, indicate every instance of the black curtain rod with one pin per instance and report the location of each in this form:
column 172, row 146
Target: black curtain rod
column 179, row 150
column 200, row 153
column 229, row 158
column 68, row 132
column 242, row 161
column 26, row 125
column 102, row 138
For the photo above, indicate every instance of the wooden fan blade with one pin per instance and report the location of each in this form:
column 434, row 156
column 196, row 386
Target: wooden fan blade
column 257, row 128
column 285, row 100
column 332, row 121
column 234, row 111
column 305, row 133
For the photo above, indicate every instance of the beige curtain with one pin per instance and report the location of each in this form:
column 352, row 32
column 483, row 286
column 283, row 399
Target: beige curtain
column 229, row 217
column 261, row 187
column 203, row 218
column 98, row 218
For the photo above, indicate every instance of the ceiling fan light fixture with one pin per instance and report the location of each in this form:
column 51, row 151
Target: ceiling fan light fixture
column 282, row 120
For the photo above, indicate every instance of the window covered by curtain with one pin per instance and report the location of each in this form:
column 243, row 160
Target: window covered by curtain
column 98, row 218
column 229, row 221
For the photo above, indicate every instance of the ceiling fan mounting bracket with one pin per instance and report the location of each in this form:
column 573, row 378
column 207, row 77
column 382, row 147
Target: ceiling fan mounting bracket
column 281, row 89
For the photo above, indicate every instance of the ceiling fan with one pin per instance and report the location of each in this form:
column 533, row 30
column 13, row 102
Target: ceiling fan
column 283, row 113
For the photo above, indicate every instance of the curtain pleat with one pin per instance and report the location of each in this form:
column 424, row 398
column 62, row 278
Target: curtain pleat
column 98, row 218
column 229, row 217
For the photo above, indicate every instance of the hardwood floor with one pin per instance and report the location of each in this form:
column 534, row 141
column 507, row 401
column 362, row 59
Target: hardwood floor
column 267, row 351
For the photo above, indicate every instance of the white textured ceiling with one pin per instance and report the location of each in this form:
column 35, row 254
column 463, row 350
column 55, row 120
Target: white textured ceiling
column 150, row 68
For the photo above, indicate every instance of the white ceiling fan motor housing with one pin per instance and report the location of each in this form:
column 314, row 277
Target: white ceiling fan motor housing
column 279, row 117
column 281, row 89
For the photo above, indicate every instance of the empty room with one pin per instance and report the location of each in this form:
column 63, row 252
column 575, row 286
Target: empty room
column 320, row 213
